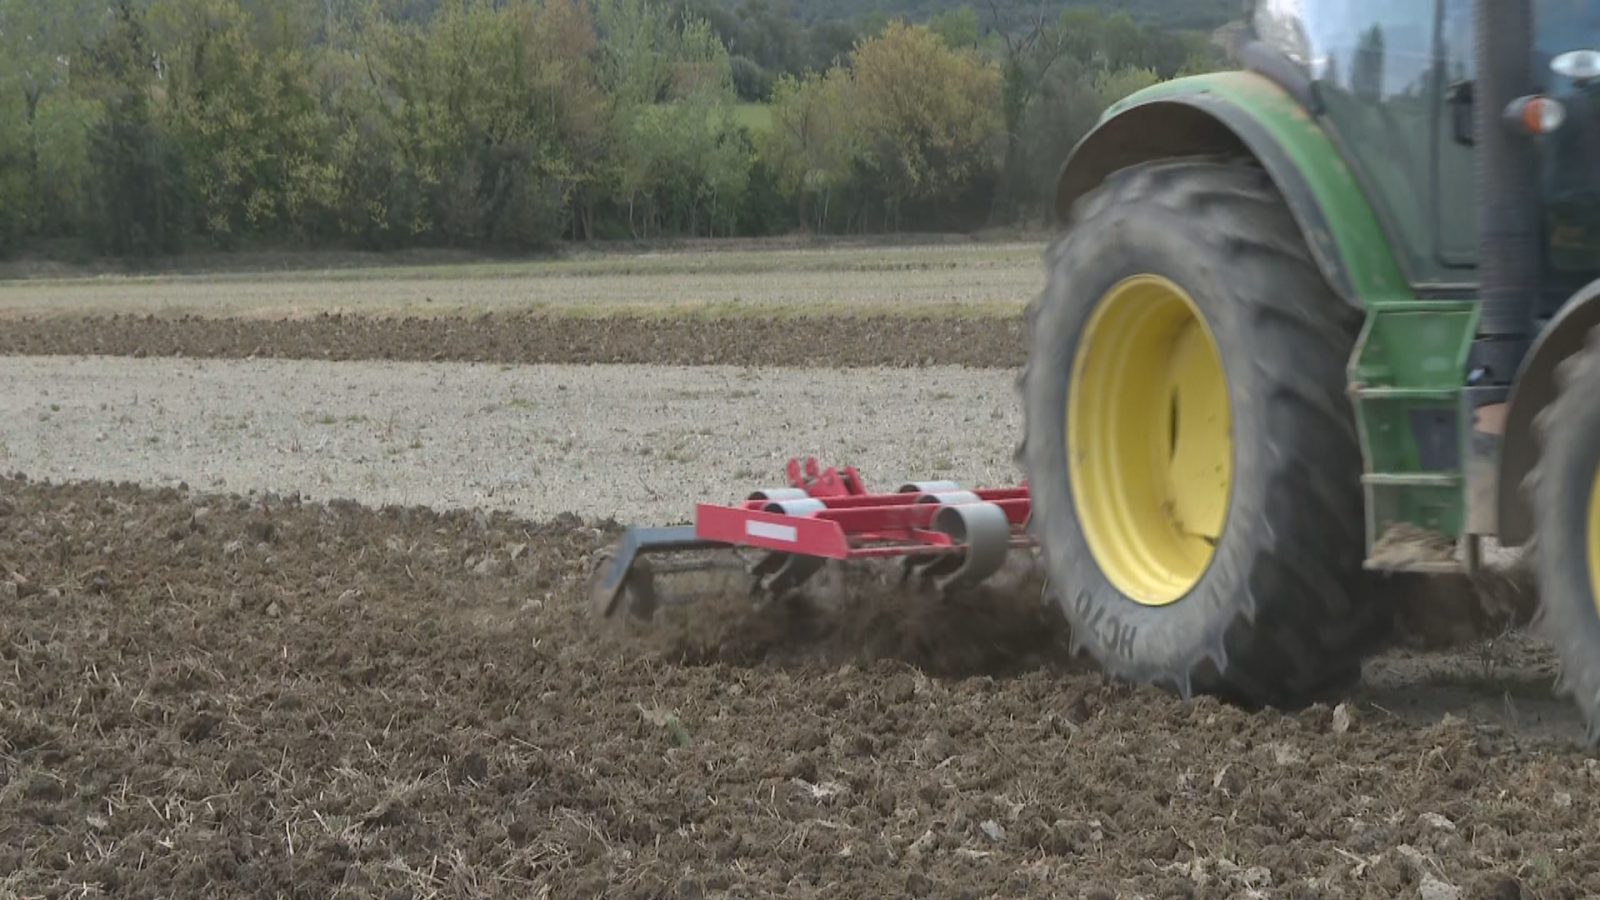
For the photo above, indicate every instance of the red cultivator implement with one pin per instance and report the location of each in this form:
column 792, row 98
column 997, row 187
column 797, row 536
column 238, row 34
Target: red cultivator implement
column 946, row 535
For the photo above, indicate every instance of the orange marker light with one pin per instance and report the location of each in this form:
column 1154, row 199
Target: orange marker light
column 1536, row 114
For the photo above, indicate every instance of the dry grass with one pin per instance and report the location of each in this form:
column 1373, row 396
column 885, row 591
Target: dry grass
column 962, row 280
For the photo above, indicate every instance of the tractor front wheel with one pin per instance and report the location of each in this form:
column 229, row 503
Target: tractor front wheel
column 1565, row 494
column 1190, row 451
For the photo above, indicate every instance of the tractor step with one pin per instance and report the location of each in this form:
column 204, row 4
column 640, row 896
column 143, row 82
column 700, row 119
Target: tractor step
column 1412, row 479
column 946, row 535
column 1407, row 381
column 1399, row 393
column 1417, row 567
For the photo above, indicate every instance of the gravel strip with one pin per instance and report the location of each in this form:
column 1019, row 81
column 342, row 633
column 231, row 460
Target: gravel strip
column 881, row 339
column 883, row 280
column 638, row 443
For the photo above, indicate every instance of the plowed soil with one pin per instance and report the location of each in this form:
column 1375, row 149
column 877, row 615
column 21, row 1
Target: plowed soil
column 242, row 697
column 869, row 339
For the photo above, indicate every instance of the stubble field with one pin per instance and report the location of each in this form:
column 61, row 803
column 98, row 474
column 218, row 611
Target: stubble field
column 313, row 624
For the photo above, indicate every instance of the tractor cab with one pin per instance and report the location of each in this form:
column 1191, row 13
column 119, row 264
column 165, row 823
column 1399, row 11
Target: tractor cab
column 1398, row 83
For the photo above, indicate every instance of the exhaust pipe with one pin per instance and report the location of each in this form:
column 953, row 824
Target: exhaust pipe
column 1510, row 258
column 1507, row 164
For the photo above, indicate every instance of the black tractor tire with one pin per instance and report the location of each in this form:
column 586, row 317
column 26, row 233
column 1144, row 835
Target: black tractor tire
column 1559, row 489
column 1277, row 617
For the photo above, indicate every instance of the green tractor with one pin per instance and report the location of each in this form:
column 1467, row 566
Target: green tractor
column 1349, row 289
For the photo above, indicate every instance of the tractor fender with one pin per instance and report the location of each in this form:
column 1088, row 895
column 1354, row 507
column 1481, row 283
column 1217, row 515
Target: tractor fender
column 1531, row 391
column 1244, row 113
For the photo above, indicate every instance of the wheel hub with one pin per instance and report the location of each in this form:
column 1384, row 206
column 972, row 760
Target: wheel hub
column 1593, row 542
column 1149, row 439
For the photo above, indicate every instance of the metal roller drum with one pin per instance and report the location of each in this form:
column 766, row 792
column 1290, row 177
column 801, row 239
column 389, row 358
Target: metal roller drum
column 780, row 494
column 983, row 527
column 949, row 498
column 928, row 487
column 798, row 507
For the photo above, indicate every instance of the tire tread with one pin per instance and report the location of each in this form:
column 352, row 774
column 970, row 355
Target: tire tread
column 1567, row 615
column 1302, row 623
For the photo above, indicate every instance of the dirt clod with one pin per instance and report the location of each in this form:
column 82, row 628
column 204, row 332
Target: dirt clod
column 1345, row 719
column 1432, row 888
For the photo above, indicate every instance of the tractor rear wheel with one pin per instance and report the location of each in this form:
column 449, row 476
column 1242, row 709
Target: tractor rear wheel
column 1191, row 453
column 1565, row 494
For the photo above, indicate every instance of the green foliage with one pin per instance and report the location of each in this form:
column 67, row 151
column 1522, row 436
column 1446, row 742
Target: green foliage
column 16, row 186
column 474, row 106
column 62, row 127
column 958, row 27
column 755, row 118
column 681, row 162
column 925, row 113
column 247, row 117
column 44, row 135
column 750, row 81
column 813, row 148
column 135, row 204
column 147, row 127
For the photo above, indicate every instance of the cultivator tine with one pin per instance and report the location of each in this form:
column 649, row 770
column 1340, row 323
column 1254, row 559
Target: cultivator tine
column 628, row 571
column 778, row 574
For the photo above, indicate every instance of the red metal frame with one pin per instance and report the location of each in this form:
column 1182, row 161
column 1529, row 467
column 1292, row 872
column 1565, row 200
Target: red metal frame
column 853, row 523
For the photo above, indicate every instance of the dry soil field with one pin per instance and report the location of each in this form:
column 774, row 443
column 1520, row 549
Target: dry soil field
column 313, row 625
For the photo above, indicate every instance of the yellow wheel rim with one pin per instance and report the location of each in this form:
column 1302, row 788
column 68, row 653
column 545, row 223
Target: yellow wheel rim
column 1594, row 540
column 1149, row 442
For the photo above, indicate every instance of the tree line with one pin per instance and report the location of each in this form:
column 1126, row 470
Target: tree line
column 151, row 127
